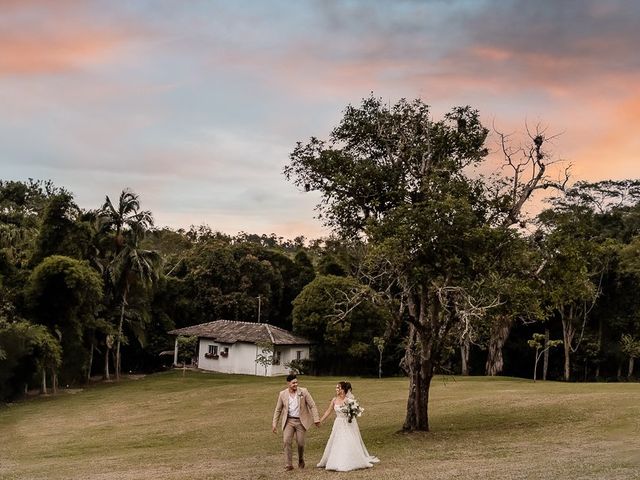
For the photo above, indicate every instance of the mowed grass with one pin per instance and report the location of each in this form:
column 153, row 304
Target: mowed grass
column 213, row 426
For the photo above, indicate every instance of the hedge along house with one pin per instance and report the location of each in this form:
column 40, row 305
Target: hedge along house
column 229, row 346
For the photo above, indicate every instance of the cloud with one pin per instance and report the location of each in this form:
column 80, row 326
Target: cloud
column 611, row 149
column 43, row 38
column 196, row 105
column 54, row 53
column 510, row 48
column 554, row 43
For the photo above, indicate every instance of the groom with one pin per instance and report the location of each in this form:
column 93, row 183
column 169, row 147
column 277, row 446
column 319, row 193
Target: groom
column 296, row 411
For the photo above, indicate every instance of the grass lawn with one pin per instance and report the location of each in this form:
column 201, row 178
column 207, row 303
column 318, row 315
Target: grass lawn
column 213, row 426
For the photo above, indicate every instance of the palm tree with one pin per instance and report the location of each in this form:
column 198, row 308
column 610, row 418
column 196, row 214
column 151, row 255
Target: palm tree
column 129, row 263
column 132, row 265
column 127, row 215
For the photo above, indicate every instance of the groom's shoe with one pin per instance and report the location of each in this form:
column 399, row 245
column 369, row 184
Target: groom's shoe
column 301, row 464
column 288, row 467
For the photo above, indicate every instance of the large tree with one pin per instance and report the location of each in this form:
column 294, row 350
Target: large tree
column 395, row 177
column 64, row 294
column 404, row 182
column 572, row 276
column 526, row 164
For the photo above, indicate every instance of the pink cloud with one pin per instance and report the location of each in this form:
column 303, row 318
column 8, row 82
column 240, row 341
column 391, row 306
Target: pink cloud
column 42, row 37
column 54, row 53
column 492, row 54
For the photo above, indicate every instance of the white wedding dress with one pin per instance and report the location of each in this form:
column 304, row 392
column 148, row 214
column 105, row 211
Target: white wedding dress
column 345, row 449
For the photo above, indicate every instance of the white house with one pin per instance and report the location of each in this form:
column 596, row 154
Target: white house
column 228, row 346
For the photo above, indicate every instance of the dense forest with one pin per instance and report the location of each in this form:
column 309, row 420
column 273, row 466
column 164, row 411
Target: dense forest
column 90, row 293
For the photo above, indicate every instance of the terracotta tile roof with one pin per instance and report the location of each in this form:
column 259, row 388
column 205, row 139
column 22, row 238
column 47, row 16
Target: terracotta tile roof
column 230, row 331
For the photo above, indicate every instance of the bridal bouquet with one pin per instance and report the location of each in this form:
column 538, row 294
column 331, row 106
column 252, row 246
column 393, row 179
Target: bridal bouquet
column 351, row 408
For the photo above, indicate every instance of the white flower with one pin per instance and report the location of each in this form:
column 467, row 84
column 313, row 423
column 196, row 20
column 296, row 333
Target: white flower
column 351, row 409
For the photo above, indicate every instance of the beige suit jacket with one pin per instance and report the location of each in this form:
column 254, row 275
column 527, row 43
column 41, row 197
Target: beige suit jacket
column 308, row 410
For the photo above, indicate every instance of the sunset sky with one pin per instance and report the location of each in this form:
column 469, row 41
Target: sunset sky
column 196, row 105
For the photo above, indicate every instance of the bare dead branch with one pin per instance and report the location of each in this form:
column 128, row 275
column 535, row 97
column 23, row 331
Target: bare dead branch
column 531, row 160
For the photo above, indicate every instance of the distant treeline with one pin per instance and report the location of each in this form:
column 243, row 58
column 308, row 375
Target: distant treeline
column 86, row 293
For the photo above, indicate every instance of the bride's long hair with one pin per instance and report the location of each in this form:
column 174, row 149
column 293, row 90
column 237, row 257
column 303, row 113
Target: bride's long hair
column 346, row 388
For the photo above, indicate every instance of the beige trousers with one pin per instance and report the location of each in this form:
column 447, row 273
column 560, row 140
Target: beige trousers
column 291, row 428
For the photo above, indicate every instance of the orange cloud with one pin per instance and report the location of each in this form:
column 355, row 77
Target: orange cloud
column 612, row 150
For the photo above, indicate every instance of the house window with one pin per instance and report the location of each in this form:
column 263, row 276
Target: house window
column 276, row 357
column 299, row 355
column 224, row 351
column 213, row 352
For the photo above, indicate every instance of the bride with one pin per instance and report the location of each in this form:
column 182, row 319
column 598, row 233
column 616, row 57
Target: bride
column 345, row 449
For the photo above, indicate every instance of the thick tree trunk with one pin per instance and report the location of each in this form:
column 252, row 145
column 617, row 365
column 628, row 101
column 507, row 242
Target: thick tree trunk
column 422, row 353
column 417, row 418
column 54, row 382
column 545, row 362
column 631, row 362
column 465, row 348
column 420, row 375
column 500, row 331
